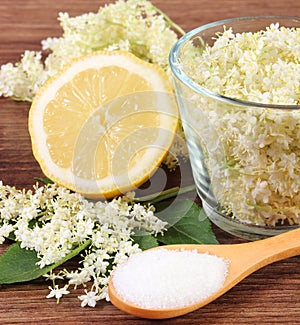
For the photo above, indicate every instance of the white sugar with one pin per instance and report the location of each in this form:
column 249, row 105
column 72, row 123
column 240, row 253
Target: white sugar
column 164, row 278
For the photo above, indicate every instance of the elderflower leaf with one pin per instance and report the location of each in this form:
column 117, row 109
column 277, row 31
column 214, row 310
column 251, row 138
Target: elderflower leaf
column 44, row 180
column 188, row 224
column 145, row 240
column 20, row 265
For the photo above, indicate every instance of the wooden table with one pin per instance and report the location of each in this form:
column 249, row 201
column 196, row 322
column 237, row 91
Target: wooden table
column 271, row 295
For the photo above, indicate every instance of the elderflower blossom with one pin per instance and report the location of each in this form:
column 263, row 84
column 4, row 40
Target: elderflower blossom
column 22, row 80
column 134, row 25
column 58, row 292
column 252, row 153
column 90, row 299
column 61, row 221
column 260, row 67
column 5, row 230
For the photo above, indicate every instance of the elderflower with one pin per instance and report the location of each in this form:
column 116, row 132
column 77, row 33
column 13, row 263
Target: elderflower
column 53, row 276
column 252, row 153
column 5, row 230
column 61, row 221
column 260, row 67
column 57, row 292
column 90, row 299
column 134, row 25
column 22, row 80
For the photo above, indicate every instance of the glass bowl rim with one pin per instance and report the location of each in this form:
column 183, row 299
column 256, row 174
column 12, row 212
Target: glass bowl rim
column 186, row 80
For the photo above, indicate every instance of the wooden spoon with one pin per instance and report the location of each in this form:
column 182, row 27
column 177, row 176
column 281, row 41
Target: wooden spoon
column 244, row 259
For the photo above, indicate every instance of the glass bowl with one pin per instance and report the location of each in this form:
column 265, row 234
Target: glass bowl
column 245, row 155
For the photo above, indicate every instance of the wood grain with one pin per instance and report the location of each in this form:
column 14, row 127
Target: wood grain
column 270, row 296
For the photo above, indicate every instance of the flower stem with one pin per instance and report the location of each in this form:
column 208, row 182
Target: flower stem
column 167, row 194
column 169, row 21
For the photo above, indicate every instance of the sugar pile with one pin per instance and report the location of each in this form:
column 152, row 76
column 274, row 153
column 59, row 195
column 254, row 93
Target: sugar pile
column 162, row 278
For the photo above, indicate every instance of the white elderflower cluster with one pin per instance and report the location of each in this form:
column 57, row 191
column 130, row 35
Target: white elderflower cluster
column 53, row 221
column 134, row 25
column 22, row 80
column 260, row 67
column 252, row 153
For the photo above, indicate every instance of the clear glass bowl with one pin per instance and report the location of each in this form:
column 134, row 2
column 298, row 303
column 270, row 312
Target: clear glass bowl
column 249, row 187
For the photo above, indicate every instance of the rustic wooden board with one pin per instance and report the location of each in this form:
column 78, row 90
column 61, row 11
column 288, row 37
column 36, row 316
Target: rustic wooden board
column 270, row 296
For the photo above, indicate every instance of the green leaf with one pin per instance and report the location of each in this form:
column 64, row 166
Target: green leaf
column 19, row 265
column 188, row 224
column 144, row 240
column 44, row 180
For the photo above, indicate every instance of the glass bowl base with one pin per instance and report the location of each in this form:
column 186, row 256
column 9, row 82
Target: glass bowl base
column 243, row 230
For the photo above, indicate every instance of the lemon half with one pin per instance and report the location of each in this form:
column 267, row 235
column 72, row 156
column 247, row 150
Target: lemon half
column 103, row 124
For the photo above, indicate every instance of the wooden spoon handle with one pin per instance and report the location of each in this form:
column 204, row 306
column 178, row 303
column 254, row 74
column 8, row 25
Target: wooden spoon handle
column 249, row 257
column 275, row 248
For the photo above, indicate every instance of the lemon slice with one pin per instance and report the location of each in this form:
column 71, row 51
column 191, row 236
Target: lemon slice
column 103, row 124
